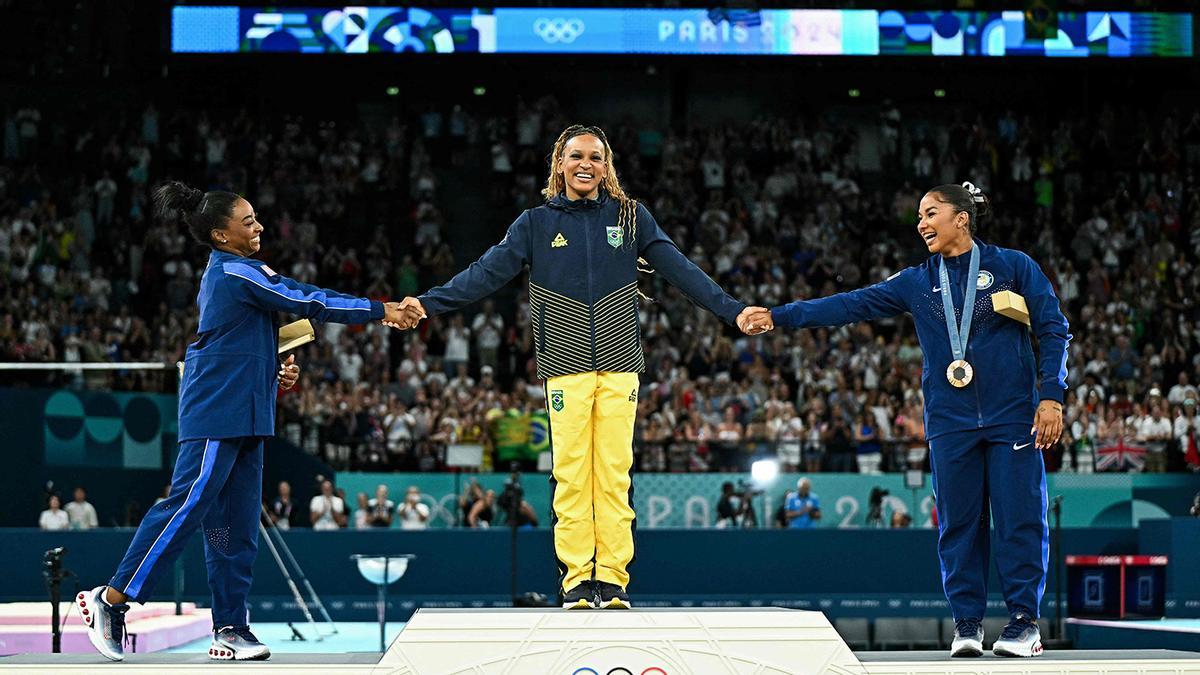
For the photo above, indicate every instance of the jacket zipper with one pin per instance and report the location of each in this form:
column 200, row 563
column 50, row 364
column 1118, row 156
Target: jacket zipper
column 978, row 405
column 587, row 247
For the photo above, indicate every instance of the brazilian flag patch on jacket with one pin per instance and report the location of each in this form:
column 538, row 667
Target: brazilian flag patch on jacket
column 615, row 236
column 556, row 400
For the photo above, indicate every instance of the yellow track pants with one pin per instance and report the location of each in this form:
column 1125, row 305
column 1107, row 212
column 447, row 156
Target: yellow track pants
column 591, row 438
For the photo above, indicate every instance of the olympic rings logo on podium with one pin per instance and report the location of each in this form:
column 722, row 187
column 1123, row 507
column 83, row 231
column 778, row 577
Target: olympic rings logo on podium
column 558, row 29
column 619, row 670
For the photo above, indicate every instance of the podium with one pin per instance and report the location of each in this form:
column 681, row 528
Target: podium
column 763, row 641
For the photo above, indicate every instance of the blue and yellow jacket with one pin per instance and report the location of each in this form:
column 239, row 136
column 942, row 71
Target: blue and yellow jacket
column 230, row 372
column 582, row 282
column 1007, row 383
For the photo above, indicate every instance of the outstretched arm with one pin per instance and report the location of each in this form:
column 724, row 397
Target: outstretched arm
column 865, row 304
column 496, row 267
column 255, row 286
column 657, row 248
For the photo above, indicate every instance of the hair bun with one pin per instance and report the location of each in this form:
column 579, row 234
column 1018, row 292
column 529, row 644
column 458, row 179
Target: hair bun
column 192, row 199
column 976, row 193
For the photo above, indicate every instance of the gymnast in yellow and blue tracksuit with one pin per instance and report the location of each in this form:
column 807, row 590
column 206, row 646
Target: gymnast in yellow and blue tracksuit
column 582, row 249
column 226, row 410
column 982, row 388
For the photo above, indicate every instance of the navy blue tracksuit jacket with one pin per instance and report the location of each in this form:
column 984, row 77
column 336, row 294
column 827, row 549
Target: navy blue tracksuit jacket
column 981, row 449
column 582, row 282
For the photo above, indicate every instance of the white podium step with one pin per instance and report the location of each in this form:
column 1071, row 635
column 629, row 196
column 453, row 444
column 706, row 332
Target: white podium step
column 766, row 641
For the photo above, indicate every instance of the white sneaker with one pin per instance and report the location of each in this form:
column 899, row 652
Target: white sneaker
column 237, row 643
column 968, row 638
column 1021, row 637
column 105, row 623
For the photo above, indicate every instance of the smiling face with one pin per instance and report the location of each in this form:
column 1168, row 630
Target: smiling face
column 583, row 167
column 242, row 232
column 943, row 229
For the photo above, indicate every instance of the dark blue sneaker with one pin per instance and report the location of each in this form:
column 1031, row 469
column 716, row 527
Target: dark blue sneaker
column 105, row 623
column 583, row 596
column 968, row 638
column 1020, row 637
column 237, row 643
column 612, row 596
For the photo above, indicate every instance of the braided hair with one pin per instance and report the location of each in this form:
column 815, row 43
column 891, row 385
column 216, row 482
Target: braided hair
column 555, row 184
column 200, row 212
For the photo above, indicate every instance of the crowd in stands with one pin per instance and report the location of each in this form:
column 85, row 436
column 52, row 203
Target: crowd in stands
column 774, row 208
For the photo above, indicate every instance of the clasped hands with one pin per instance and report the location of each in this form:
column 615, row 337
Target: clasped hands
column 403, row 315
column 755, row 320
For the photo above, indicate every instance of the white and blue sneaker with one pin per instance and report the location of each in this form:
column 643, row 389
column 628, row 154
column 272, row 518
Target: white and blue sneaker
column 237, row 643
column 968, row 638
column 1020, row 637
column 105, row 623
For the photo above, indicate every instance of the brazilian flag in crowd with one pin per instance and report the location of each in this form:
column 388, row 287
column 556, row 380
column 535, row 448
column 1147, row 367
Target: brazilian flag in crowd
column 519, row 436
column 510, row 431
column 539, row 433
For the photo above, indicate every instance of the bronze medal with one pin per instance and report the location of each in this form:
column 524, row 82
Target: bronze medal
column 960, row 373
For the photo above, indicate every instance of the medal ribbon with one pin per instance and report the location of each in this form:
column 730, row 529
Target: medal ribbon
column 958, row 339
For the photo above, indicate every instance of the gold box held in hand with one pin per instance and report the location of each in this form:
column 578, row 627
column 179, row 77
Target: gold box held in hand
column 301, row 332
column 1011, row 305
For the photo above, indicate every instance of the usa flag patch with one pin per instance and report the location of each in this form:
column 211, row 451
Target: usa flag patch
column 268, row 271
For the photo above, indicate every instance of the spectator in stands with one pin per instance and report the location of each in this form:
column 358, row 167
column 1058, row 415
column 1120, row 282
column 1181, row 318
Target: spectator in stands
column 327, row 511
column 1154, row 430
column 54, row 518
column 488, row 328
column 362, row 514
column 1182, row 390
column 414, row 514
column 1187, row 434
column 803, row 506
column 483, row 511
column 81, row 512
column 281, row 506
column 866, row 439
column 839, row 444
column 381, row 508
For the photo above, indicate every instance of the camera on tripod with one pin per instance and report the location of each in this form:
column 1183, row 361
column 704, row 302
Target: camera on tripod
column 53, row 572
column 510, row 499
column 748, row 489
column 52, row 560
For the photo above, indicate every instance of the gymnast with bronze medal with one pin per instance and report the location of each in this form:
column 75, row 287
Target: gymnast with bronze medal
column 985, row 459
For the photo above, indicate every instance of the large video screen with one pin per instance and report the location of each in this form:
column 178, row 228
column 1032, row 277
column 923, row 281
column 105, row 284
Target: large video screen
column 367, row 30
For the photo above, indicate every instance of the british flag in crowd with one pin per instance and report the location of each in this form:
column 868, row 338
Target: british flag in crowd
column 1117, row 455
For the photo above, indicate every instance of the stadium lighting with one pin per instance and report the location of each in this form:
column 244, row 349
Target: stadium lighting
column 764, row 471
column 939, row 93
column 393, row 91
column 480, row 91
column 854, row 93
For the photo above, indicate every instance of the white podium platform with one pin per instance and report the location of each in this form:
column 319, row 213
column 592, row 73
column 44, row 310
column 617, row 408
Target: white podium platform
column 766, row 641
column 639, row 642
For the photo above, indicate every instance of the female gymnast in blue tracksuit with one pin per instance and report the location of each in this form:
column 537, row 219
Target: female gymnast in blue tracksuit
column 982, row 387
column 226, row 410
